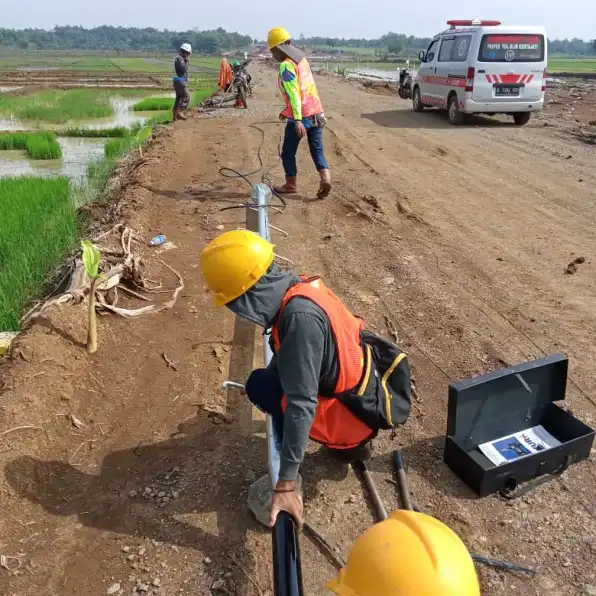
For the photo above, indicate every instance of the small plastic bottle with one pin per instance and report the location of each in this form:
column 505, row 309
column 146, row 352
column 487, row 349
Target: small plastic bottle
column 157, row 240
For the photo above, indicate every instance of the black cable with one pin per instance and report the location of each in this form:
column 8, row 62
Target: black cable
column 228, row 172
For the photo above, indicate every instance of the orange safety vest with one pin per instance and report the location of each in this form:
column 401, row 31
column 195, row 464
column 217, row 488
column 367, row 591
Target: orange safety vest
column 311, row 103
column 334, row 425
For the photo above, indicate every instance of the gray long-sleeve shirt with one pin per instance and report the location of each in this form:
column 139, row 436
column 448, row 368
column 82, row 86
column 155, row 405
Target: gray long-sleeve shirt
column 181, row 67
column 306, row 361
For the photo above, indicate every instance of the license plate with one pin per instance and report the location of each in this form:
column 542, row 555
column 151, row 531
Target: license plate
column 506, row 91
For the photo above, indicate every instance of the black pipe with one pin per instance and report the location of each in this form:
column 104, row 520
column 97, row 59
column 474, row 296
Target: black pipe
column 287, row 569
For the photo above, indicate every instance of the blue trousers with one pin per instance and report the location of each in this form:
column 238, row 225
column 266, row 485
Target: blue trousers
column 265, row 392
column 291, row 143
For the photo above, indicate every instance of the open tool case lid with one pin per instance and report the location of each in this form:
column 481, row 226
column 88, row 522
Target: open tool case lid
column 507, row 401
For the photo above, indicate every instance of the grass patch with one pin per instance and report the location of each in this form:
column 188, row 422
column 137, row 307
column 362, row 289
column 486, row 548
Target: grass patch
column 162, row 118
column 58, row 106
column 160, row 104
column 151, row 104
column 39, row 145
column 572, row 65
column 114, row 148
column 116, row 131
column 38, row 228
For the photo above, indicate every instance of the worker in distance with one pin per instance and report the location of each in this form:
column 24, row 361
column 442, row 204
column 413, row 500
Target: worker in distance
column 330, row 379
column 303, row 112
column 180, row 81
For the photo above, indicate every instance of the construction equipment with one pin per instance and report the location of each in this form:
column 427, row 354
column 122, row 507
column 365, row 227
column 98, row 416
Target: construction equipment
column 236, row 91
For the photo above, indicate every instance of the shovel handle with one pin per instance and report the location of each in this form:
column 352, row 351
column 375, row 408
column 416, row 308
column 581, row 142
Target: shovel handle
column 402, row 480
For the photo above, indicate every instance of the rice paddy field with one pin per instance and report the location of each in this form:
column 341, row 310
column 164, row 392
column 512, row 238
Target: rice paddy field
column 64, row 124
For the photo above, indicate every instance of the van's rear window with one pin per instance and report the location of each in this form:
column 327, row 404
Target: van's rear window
column 511, row 47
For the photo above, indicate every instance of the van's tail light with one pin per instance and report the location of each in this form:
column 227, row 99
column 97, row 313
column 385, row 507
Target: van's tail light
column 470, row 81
column 544, row 81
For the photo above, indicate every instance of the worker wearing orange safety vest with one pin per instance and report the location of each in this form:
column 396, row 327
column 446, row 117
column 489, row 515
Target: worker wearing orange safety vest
column 330, row 379
column 303, row 112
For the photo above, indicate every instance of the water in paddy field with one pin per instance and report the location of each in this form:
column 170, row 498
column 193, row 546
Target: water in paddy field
column 6, row 89
column 76, row 152
column 76, row 155
column 123, row 116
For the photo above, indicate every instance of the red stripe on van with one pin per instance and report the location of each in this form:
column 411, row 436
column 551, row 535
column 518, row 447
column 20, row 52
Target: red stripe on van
column 510, row 79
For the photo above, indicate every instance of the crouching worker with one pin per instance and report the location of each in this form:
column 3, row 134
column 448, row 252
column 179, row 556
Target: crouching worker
column 330, row 379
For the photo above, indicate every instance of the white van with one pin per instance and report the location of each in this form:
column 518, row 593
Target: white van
column 483, row 67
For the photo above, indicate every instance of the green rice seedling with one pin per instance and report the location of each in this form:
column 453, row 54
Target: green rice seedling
column 13, row 141
column 91, row 189
column 38, row 228
column 151, row 104
column 155, row 104
column 115, row 148
column 117, row 131
column 39, row 145
column 163, row 118
column 201, row 95
column 58, row 106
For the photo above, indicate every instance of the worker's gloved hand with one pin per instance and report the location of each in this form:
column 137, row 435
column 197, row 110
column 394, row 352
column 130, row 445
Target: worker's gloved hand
column 300, row 129
column 286, row 498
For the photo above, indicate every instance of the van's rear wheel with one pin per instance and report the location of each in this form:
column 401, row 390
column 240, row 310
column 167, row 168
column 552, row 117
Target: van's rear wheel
column 522, row 118
column 417, row 100
column 455, row 116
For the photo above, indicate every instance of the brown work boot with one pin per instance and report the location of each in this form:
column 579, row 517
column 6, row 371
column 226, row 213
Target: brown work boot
column 289, row 188
column 325, row 186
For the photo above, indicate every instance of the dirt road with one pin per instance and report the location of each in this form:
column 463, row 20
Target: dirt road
column 459, row 236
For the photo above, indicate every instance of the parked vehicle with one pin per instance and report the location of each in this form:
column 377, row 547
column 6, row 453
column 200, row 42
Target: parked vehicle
column 405, row 83
column 483, row 67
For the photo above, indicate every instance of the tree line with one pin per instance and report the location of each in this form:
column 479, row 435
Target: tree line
column 108, row 38
column 121, row 39
column 398, row 43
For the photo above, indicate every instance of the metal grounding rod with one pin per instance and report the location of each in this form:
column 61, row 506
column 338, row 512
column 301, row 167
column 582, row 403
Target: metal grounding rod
column 287, row 571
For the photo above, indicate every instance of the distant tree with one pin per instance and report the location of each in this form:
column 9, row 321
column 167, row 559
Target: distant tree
column 122, row 38
column 394, row 42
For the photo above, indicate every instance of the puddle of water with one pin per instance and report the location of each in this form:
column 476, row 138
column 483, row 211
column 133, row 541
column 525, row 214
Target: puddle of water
column 123, row 114
column 5, row 89
column 373, row 73
column 76, row 155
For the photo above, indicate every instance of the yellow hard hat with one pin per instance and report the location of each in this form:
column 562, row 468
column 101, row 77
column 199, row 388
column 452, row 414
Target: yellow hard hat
column 234, row 262
column 410, row 554
column 277, row 36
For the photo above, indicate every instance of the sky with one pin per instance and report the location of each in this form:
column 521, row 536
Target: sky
column 327, row 18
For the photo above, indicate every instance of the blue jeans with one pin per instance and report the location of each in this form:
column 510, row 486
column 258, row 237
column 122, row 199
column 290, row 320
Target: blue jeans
column 292, row 141
column 265, row 392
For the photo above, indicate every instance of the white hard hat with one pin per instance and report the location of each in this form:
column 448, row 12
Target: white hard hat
column 186, row 47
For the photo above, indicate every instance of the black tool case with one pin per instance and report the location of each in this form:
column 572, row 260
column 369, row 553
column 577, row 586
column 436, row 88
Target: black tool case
column 490, row 406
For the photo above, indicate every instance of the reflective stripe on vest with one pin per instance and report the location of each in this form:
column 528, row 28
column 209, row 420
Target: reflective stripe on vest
column 334, row 425
column 309, row 95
